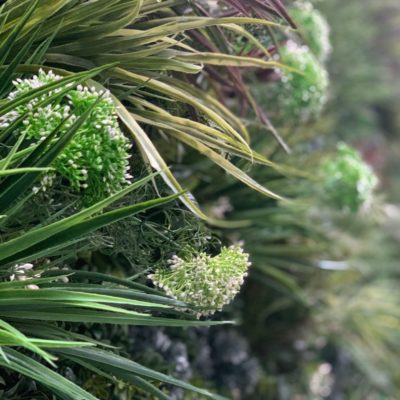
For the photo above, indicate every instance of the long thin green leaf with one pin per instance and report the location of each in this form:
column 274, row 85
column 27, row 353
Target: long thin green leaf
column 117, row 364
column 35, row 236
column 54, row 381
column 9, row 42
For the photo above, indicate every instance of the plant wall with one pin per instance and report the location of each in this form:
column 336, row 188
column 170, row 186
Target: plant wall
column 173, row 225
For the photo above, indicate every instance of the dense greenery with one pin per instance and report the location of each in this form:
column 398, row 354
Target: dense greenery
column 173, row 224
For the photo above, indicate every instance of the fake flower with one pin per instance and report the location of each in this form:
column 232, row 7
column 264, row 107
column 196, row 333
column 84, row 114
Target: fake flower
column 348, row 182
column 203, row 282
column 313, row 28
column 95, row 162
column 301, row 94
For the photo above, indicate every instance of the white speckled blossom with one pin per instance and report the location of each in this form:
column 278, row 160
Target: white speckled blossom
column 95, row 162
column 313, row 27
column 303, row 93
column 206, row 283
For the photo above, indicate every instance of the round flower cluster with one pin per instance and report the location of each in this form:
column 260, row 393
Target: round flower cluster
column 348, row 182
column 203, row 282
column 95, row 162
column 301, row 95
column 313, row 28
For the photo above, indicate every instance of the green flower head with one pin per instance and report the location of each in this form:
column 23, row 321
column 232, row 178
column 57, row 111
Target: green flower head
column 348, row 182
column 313, row 28
column 298, row 95
column 203, row 282
column 95, row 162
column 301, row 95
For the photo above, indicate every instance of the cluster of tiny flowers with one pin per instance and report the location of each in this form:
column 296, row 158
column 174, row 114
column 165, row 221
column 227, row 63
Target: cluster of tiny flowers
column 301, row 95
column 314, row 29
column 348, row 181
column 203, row 282
column 95, row 162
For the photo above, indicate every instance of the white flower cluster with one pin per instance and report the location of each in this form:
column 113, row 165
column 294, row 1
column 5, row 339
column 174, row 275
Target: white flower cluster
column 96, row 159
column 205, row 283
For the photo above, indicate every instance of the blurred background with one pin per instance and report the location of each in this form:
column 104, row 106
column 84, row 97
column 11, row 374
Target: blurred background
column 342, row 340
column 319, row 316
column 320, row 313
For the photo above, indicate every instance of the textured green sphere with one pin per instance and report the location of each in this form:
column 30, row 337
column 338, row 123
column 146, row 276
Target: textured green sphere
column 348, row 182
column 203, row 282
column 313, row 28
column 95, row 161
column 301, row 93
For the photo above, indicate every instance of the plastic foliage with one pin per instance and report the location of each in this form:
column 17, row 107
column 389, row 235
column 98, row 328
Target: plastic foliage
column 204, row 282
column 313, row 28
column 95, row 162
column 348, row 182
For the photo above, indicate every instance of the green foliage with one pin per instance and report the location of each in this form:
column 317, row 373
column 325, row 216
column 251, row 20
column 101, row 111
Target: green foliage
column 355, row 111
column 149, row 43
column 169, row 75
column 347, row 181
column 40, row 132
column 152, row 242
column 35, row 288
column 362, row 317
